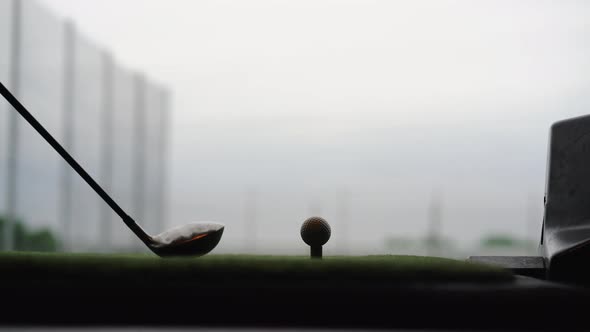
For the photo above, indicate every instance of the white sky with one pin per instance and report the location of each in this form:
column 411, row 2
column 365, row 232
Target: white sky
column 389, row 100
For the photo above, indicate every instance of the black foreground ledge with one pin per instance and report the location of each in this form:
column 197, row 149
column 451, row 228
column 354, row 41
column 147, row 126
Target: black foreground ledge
column 256, row 291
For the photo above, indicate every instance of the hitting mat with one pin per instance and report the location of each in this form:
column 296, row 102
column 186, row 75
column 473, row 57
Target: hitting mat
column 93, row 269
column 274, row 291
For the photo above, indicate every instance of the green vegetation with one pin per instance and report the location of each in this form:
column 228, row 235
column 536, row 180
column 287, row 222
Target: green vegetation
column 504, row 241
column 438, row 246
column 26, row 239
column 233, row 268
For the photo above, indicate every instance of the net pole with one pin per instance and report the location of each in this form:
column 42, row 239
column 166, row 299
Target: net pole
column 69, row 84
column 163, row 157
column 106, row 158
column 139, row 139
column 13, row 128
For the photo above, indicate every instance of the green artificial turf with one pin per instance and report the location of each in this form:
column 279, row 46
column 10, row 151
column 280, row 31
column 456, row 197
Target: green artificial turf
column 90, row 268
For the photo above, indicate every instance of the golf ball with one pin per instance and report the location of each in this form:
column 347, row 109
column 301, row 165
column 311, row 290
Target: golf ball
column 315, row 231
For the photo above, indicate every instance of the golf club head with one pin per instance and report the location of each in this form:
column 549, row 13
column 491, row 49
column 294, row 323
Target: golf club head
column 565, row 239
column 564, row 248
column 192, row 239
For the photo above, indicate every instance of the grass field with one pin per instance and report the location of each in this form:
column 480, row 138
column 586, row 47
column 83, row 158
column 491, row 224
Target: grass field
column 22, row 266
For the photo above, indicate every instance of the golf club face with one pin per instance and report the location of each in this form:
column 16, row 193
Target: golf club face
column 192, row 239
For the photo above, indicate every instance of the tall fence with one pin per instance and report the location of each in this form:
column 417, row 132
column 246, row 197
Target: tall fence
column 111, row 119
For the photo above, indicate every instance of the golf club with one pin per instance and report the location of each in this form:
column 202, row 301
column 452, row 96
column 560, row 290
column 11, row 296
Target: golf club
column 193, row 239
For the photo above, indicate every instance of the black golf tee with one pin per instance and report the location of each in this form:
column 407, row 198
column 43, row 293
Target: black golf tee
column 316, row 252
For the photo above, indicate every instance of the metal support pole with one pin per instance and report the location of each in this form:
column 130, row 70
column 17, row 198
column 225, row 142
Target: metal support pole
column 251, row 220
column 315, row 208
column 106, row 157
column 13, row 128
column 344, row 217
column 433, row 238
column 139, row 147
column 69, row 84
column 165, row 113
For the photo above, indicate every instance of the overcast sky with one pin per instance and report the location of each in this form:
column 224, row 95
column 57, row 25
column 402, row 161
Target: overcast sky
column 391, row 102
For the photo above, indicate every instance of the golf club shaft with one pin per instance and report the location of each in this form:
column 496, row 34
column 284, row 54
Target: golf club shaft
column 73, row 163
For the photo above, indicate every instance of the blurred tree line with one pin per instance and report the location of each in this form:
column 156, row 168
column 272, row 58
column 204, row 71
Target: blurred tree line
column 428, row 245
column 494, row 244
column 26, row 239
column 506, row 241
